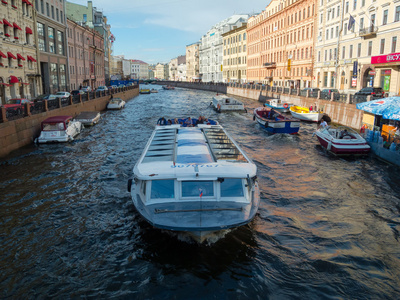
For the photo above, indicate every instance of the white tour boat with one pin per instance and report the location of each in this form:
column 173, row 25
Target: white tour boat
column 195, row 180
column 342, row 141
column 59, row 129
column 304, row 113
column 88, row 118
column 116, row 103
column 222, row 103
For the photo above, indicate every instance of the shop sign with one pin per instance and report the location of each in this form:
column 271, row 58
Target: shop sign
column 372, row 73
column 387, row 72
column 354, row 82
column 355, row 66
column 382, row 59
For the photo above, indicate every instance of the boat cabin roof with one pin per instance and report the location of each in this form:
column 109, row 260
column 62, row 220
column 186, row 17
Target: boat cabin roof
column 57, row 119
column 206, row 150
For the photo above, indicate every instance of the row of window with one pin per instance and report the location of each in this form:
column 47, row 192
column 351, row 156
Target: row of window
column 15, row 32
column 25, row 7
column 20, row 61
column 302, row 34
column 235, row 39
column 331, row 54
column 235, row 61
column 282, row 23
column 234, row 50
column 293, row 72
column 55, row 14
column 55, row 44
column 282, row 56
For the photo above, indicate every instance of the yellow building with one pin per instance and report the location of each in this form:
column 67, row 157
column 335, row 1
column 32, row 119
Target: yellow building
column 192, row 62
column 235, row 55
column 161, row 71
column 19, row 66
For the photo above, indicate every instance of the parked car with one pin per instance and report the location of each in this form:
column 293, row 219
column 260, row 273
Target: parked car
column 16, row 106
column 326, row 93
column 101, row 88
column 121, row 85
column 86, row 89
column 110, row 87
column 375, row 92
column 62, row 95
column 77, row 92
column 45, row 97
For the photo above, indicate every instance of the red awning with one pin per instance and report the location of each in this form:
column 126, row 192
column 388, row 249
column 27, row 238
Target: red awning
column 7, row 23
column 13, row 79
column 16, row 26
column 1, row 22
column 27, row 2
column 28, row 30
column 10, row 55
column 6, row 84
column 3, row 55
column 31, row 58
column 20, row 56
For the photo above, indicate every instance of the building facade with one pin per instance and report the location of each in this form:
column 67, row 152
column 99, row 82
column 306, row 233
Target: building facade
column 52, row 43
column 235, row 55
column 173, row 69
column 139, row 69
column 211, row 48
column 280, row 44
column 93, row 18
column 116, row 67
column 161, row 71
column 192, row 62
column 357, row 45
column 19, row 67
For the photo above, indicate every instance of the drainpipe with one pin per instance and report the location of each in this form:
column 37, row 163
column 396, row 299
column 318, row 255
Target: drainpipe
column 338, row 44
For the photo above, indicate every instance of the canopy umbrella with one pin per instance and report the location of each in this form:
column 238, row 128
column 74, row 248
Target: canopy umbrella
column 388, row 108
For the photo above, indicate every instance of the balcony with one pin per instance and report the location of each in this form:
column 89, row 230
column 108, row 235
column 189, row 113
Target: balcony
column 270, row 65
column 368, row 32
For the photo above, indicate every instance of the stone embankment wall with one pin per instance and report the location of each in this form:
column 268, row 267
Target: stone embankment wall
column 339, row 112
column 21, row 132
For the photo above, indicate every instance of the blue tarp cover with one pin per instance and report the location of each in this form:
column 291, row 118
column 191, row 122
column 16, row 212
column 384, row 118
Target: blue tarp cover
column 388, row 108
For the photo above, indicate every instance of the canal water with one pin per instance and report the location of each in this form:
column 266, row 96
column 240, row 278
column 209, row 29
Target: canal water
column 326, row 228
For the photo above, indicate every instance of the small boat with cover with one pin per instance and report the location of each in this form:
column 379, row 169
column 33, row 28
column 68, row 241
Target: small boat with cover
column 116, row 103
column 275, row 122
column 194, row 180
column 88, row 118
column 59, row 129
column 168, row 87
column 342, row 140
column 278, row 105
column 304, row 114
column 223, row 103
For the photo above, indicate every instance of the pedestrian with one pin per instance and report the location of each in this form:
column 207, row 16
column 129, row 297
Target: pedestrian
column 323, row 124
column 311, row 107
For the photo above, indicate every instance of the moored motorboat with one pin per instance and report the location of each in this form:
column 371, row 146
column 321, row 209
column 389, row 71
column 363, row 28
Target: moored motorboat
column 116, row 103
column 304, row 114
column 59, row 129
column 168, row 87
column 144, row 91
column 153, row 91
column 222, row 103
column 342, row 141
column 194, row 180
column 274, row 122
column 278, row 105
column 88, row 118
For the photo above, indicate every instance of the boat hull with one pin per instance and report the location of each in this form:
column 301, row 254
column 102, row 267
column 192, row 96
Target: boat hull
column 310, row 117
column 199, row 219
column 284, row 125
column 343, row 147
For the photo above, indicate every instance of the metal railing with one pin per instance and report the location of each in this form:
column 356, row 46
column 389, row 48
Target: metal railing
column 325, row 95
column 313, row 94
column 340, row 97
column 303, row 93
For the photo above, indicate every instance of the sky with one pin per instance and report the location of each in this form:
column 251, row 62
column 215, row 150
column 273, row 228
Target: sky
column 155, row 31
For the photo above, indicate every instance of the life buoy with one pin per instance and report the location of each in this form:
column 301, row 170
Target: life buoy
column 285, row 105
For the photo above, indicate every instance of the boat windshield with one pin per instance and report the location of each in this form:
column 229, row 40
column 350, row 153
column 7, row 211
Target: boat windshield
column 161, row 189
column 53, row 126
column 197, row 189
column 232, row 187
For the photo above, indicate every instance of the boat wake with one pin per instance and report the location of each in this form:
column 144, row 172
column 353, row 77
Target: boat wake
column 282, row 137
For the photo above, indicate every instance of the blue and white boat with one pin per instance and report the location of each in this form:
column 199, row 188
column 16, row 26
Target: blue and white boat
column 278, row 105
column 194, row 180
column 274, row 122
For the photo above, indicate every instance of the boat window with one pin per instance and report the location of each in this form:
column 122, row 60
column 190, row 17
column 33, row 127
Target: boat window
column 162, row 189
column 197, row 189
column 53, row 126
column 232, row 187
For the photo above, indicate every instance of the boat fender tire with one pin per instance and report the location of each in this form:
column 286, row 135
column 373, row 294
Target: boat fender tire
column 129, row 185
column 285, row 105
